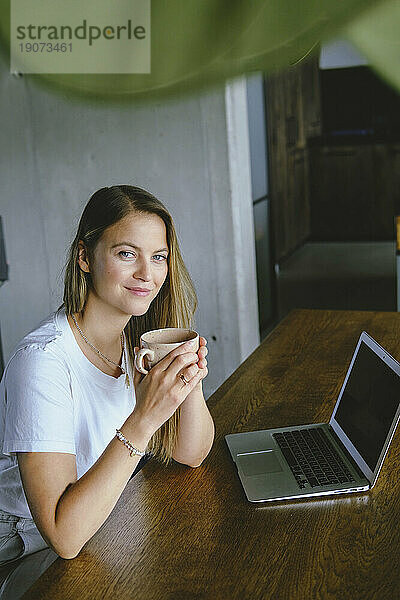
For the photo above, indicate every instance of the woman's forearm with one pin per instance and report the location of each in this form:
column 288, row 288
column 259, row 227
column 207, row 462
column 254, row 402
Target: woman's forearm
column 196, row 430
column 87, row 503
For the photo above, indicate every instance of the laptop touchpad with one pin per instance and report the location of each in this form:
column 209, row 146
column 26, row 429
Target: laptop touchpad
column 257, row 463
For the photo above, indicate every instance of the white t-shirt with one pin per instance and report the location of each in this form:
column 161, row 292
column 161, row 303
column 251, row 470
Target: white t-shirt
column 53, row 399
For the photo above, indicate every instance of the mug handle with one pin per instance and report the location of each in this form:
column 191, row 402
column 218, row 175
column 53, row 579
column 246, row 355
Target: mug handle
column 139, row 359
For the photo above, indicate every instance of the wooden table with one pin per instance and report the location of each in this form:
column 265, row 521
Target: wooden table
column 190, row 534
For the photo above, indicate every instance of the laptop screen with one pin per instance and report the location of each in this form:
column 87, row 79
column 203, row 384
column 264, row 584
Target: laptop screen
column 369, row 404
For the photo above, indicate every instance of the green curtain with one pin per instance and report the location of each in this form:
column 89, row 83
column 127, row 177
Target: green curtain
column 195, row 43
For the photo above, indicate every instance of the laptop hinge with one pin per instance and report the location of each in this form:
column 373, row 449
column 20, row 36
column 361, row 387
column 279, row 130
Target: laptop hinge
column 347, row 454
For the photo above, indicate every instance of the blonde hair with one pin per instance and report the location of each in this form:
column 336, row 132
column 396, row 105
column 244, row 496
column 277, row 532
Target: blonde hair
column 176, row 302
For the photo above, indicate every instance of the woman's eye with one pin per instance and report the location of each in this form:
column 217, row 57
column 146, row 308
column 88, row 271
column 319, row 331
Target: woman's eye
column 160, row 257
column 126, row 254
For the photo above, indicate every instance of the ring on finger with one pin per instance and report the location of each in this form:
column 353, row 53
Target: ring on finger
column 183, row 379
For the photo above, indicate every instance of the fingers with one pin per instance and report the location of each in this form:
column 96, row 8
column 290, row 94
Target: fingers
column 181, row 360
column 175, row 366
column 186, row 388
column 190, row 372
column 189, row 376
column 187, row 347
column 204, row 373
column 181, row 363
column 202, row 353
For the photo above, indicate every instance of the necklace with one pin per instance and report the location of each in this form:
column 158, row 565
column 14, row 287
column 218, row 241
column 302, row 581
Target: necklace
column 103, row 356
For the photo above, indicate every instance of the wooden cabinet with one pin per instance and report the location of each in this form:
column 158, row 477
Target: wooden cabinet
column 353, row 191
column 323, row 189
column 293, row 115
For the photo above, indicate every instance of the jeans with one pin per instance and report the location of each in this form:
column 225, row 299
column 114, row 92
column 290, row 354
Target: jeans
column 24, row 555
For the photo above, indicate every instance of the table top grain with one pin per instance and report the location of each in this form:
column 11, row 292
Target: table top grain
column 179, row 533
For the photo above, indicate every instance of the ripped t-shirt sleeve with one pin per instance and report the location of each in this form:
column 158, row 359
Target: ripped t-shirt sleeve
column 38, row 415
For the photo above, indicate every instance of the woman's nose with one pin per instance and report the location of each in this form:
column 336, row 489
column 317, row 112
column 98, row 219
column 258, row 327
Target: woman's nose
column 142, row 271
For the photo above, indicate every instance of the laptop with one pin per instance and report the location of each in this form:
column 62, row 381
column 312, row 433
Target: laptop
column 339, row 457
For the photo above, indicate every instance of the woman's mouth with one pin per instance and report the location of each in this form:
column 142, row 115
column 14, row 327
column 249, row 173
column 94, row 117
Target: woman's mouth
column 137, row 291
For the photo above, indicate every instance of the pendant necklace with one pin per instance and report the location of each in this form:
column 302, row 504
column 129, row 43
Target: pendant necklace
column 124, row 368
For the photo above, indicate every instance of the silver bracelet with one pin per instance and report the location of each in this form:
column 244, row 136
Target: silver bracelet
column 127, row 443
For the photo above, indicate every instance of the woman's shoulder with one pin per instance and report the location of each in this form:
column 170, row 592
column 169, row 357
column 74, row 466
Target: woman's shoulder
column 49, row 330
column 44, row 344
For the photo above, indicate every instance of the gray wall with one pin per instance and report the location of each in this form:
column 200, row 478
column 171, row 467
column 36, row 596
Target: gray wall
column 339, row 54
column 56, row 152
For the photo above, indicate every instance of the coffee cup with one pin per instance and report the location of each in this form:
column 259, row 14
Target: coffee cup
column 156, row 344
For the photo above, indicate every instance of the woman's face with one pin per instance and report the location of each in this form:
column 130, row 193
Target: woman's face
column 130, row 263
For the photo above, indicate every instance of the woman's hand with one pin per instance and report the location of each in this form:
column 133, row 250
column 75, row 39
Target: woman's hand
column 202, row 353
column 162, row 391
column 202, row 362
column 192, row 370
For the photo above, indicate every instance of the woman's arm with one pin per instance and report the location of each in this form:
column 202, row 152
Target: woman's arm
column 196, row 427
column 196, row 430
column 67, row 510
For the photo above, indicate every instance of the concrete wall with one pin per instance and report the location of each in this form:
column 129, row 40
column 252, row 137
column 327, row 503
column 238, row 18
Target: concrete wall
column 340, row 54
column 191, row 152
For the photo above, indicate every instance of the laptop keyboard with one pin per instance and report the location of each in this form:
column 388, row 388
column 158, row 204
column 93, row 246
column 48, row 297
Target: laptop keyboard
column 312, row 458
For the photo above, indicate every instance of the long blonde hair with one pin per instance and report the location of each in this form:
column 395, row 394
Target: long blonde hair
column 176, row 302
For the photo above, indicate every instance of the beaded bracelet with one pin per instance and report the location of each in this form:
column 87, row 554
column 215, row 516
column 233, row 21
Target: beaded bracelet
column 127, row 443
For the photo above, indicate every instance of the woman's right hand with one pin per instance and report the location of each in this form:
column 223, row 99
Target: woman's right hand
column 161, row 391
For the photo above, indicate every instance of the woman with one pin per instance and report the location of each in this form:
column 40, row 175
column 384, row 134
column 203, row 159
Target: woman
column 76, row 415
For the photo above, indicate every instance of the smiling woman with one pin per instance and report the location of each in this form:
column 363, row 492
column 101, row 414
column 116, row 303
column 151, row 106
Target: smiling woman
column 123, row 271
column 66, row 388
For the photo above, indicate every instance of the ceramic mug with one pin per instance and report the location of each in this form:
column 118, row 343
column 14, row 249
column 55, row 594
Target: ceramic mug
column 158, row 343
